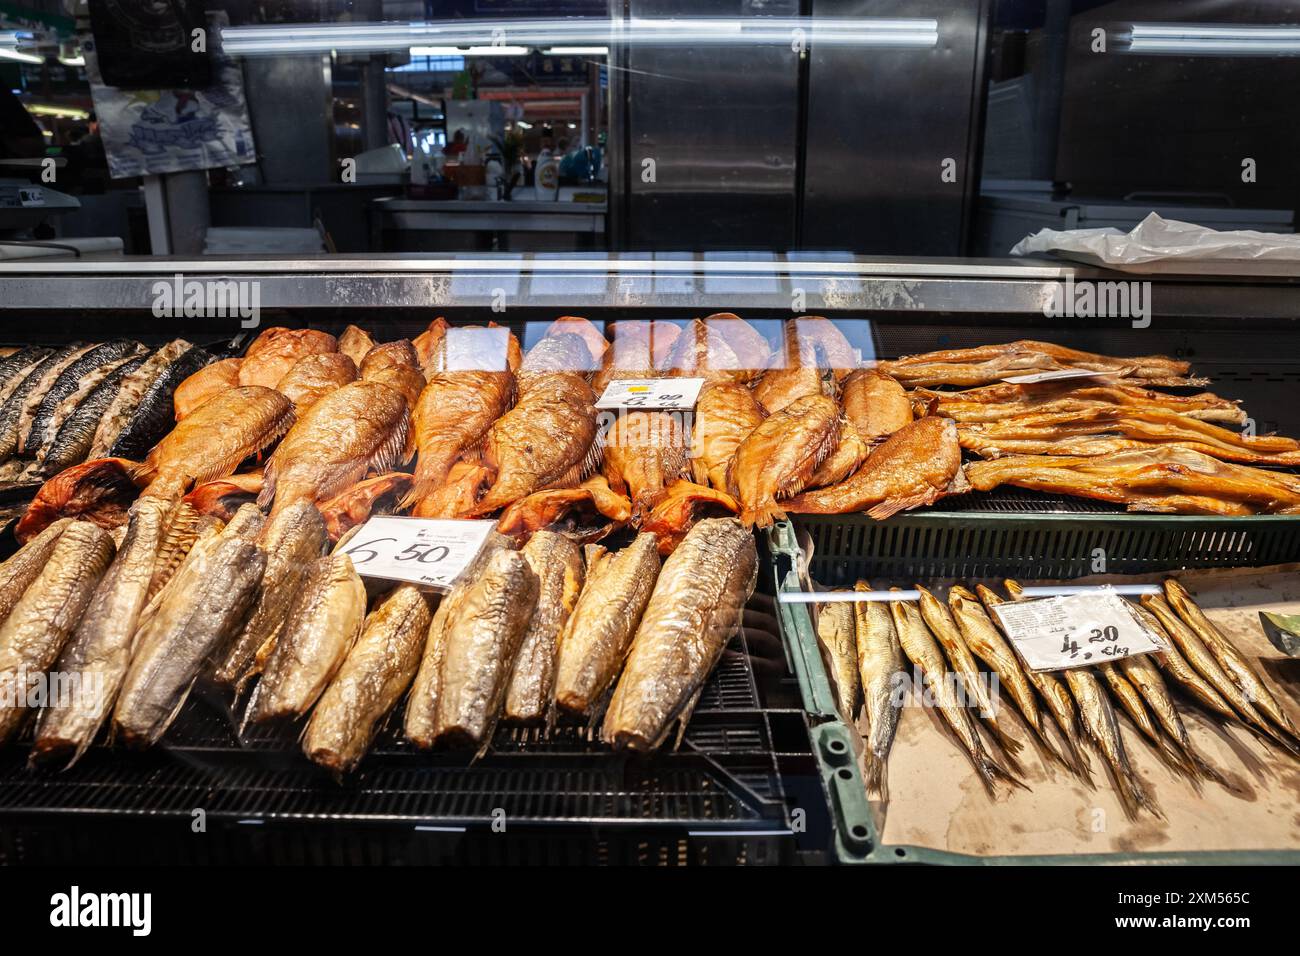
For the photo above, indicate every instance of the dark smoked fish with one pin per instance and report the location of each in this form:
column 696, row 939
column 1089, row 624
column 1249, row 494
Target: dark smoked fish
column 153, row 416
column 67, row 391
column 14, row 368
column 134, row 386
column 17, row 410
column 71, row 445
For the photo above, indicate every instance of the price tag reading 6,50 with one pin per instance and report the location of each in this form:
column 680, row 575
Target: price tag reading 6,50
column 428, row 551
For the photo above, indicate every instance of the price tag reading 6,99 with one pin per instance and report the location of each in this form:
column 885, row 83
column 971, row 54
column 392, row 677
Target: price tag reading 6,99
column 428, row 551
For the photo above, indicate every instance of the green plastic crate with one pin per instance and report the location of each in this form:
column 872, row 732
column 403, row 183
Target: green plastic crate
column 857, row 840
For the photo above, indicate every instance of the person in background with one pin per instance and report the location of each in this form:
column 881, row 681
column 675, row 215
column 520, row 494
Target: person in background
column 456, row 148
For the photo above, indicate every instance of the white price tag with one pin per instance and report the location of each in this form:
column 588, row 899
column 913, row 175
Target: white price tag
column 1075, row 630
column 1036, row 377
column 662, row 394
column 428, row 551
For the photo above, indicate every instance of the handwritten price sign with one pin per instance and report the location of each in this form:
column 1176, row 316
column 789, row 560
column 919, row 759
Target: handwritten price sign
column 658, row 394
column 1075, row 630
column 428, row 551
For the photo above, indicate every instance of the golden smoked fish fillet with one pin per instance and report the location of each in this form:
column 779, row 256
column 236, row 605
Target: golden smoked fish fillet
column 778, row 457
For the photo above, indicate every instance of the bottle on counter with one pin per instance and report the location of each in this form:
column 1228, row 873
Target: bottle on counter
column 548, row 174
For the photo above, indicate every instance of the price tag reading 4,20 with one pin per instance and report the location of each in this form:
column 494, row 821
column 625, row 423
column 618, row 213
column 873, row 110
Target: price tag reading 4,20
column 428, row 551
column 1075, row 630
column 661, row 394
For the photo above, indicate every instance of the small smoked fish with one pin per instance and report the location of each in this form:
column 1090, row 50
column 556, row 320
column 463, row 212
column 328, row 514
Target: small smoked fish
column 725, row 415
column 815, row 340
column 25, row 566
column 192, row 617
column 987, row 643
column 322, row 625
column 480, row 647
column 596, row 638
column 922, row 650
column 875, row 404
column 1233, row 662
column 293, row 539
column 373, row 678
column 1130, row 700
column 1172, row 662
column 917, row 465
column 701, row 351
column 128, row 398
column 314, row 377
column 694, row 611
column 557, row 563
column 34, row 633
column 779, row 456
column 881, row 670
column 1050, row 687
column 100, row 647
column 422, row 703
column 359, row 428
column 938, row 618
column 837, row 637
column 637, row 351
column 1189, row 643
column 1099, row 721
column 211, row 442
column 644, row 451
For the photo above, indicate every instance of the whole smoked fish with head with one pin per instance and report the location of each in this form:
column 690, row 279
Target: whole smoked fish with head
column 596, row 637
column 777, row 459
column 917, row 465
column 694, row 611
column 212, row 441
column 359, row 428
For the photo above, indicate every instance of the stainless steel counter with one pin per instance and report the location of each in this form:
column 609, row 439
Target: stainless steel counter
column 704, row 283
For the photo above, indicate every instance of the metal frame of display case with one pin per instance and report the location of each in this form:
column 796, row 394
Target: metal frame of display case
column 710, row 282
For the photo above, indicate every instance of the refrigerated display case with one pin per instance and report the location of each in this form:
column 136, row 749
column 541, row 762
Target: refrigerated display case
column 767, row 768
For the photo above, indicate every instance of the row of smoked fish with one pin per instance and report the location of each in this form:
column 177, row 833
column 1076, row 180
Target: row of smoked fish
column 525, row 635
column 869, row 644
column 458, row 422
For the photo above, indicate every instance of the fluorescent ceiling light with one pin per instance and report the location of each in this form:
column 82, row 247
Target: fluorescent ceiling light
column 73, row 60
column 469, row 51
column 590, row 33
column 62, row 112
column 1192, row 39
column 576, row 51
column 11, row 54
